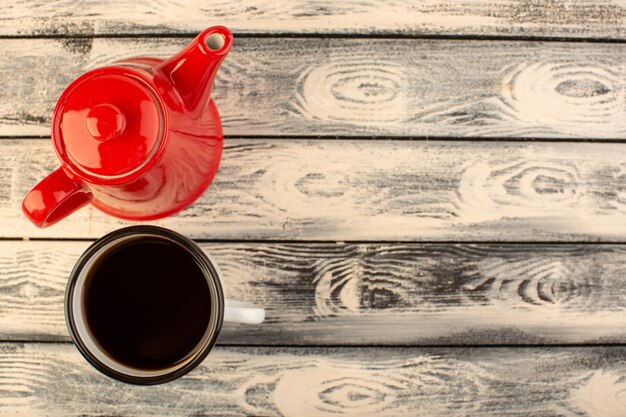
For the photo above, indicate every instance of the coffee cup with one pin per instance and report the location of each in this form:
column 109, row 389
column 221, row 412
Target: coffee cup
column 145, row 305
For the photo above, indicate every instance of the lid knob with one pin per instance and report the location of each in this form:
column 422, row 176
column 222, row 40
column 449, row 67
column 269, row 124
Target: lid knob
column 105, row 122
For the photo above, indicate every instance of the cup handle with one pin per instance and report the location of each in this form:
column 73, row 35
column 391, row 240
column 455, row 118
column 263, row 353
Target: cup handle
column 54, row 198
column 238, row 312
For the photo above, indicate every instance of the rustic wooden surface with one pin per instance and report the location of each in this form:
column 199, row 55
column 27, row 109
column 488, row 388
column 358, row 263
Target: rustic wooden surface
column 358, row 87
column 53, row 380
column 603, row 19
column 370, row 189
column 480, row 274
column 337, row 294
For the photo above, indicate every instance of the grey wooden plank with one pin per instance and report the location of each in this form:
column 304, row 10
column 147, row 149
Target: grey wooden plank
column 357, row 87
column 371, row 190
column 546, row 18
column 52, row 379
column 368, row 294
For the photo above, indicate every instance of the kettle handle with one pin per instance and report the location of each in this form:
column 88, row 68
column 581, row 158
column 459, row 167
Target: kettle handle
column 54, row 198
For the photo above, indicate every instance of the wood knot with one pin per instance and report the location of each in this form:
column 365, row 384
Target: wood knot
column 347, row 387
column 368, row 282
column 537, row 188
column 582, row 88
column 298, row 188
column 351, row 393
column 542, row 182
column 316, row 184
column 358, row 90
column 564, row 96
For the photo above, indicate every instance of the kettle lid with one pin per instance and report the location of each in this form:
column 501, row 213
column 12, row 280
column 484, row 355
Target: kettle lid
column 108, row 123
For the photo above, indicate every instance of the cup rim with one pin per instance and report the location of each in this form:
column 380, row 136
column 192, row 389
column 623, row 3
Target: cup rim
column 203, row 261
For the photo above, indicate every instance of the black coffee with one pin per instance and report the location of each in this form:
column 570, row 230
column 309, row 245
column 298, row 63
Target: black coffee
column 147, row 303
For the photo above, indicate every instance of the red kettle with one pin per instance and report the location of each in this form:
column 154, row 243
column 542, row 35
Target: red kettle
column 140, row 139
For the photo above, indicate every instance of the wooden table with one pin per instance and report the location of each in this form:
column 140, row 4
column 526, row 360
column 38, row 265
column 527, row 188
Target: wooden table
column 429, row 198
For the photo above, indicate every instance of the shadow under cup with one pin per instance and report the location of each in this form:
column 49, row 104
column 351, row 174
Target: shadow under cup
column 96, row 284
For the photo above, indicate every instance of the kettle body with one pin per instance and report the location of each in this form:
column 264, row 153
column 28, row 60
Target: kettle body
column 139, row 140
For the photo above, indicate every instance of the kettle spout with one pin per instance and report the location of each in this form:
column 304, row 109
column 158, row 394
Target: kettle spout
column 193, row 70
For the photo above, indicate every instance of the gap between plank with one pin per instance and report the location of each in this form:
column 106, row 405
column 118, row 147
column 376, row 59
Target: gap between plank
column 368, row 346
column 347, row 241
column 334, row 35
column 387, row 138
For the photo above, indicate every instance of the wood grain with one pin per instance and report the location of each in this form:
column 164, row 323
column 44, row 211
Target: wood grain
column 357, row 87
column 372, row 294
column 371, row 190
column 53, row 379
column 546, row 18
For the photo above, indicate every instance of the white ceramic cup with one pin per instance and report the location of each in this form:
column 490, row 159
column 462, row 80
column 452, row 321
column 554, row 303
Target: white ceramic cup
column 221, row 310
